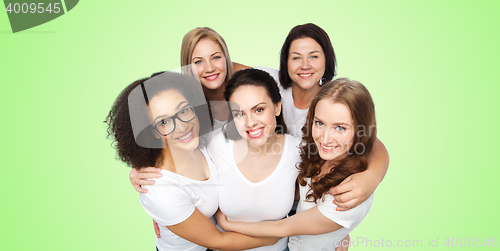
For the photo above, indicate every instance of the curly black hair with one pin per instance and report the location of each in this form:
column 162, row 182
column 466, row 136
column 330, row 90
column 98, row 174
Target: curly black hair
column 140, row 148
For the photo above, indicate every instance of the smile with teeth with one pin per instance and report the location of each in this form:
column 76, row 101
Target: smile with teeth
column 255, row 133
column 305, row 75
column 212, row 77
column 328, row 148
column 186, row 136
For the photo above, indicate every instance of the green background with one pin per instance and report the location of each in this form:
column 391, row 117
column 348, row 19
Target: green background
column 429, row 65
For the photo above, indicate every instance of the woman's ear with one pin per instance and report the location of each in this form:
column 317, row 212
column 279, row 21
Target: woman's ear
column 277, row 108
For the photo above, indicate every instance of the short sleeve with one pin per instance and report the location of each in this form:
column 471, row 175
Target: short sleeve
column 348, row 219
column 167, row 204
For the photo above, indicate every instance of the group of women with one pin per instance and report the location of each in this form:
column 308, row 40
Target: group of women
column 270, row 144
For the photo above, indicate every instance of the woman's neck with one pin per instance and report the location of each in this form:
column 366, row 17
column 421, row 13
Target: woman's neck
column 302, row 98
column 265, row 149
column 177, row 160
column 215, row 94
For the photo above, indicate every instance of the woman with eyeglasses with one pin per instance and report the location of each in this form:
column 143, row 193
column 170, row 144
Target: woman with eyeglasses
column 157, row 122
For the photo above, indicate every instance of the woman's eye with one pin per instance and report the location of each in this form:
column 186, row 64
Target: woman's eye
column 259, row 110
column 164, row 122
column 217, row 57
column 340, row 128
column 296, row 58
column 183, row 111
column 197, row 62
column 318, row 123
column 238, row 115
column 314, row 56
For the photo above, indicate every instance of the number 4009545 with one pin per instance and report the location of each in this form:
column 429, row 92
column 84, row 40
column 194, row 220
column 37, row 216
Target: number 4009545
column 33, row 8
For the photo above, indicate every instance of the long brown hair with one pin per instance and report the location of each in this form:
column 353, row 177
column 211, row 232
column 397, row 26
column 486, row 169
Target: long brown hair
column 359, row 101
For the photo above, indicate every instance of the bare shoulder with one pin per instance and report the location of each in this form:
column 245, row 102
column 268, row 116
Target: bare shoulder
column 238, row 66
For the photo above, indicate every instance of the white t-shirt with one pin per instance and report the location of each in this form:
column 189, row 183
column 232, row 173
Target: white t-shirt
column 174, row 198
column 295, row 118
column 329, row 241
column 269, row 199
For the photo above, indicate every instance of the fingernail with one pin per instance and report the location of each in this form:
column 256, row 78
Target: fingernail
column 158, row 169
column 159, row 175
column 334, row 202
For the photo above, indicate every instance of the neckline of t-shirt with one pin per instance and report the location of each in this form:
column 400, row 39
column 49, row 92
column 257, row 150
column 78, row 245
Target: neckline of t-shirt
column 276, row 169
column 176, row 175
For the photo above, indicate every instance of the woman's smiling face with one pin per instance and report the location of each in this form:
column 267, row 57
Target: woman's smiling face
column 171, row 103
column 332, row 129
column 255, row 116
column 306, row 62
column 210, row 63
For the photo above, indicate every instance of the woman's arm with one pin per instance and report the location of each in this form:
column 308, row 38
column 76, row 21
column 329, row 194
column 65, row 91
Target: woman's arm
column 309, row 222
column 200, row 230
column 237, row 67
column 358, row 187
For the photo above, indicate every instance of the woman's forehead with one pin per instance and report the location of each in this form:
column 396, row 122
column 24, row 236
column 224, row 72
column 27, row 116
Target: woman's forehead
column 247, row 96
column 167, row 102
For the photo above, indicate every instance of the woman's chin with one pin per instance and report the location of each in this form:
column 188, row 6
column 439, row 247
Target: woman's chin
column 212, row 85
column 185, row 146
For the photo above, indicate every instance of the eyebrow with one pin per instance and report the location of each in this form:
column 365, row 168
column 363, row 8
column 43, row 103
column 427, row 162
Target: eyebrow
column 301, row 54
column 176, row 108
column 255, row 106
column 210, row 55
column 340, row 123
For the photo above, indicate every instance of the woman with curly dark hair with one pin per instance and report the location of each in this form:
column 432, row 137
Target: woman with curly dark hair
column 157, row 122
column 341, row 122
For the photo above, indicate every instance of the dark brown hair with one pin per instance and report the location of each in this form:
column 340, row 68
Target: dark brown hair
column 359, row 101
column 119, row 126
column 253, row 77
column 319, row 35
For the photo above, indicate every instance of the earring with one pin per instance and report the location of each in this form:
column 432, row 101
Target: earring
column 321, row 81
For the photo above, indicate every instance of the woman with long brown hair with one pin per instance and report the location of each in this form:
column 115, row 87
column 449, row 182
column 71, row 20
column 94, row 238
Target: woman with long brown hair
column 341, row 122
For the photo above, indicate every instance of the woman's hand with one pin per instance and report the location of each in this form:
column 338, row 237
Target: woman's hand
column 222, row 220
column 138, row 178
column 353, row 191
column 358, row 187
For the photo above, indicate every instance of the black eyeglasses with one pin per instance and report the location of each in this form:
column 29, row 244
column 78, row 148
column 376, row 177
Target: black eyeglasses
column 167, row 125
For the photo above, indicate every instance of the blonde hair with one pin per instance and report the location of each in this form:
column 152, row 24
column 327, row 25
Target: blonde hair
column 194, row 36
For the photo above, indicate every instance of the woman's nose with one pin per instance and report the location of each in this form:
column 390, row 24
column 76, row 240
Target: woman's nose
column 209, row 67
column 180, row 126
column 305, row 64
column 250, row 121
column 328, row 136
